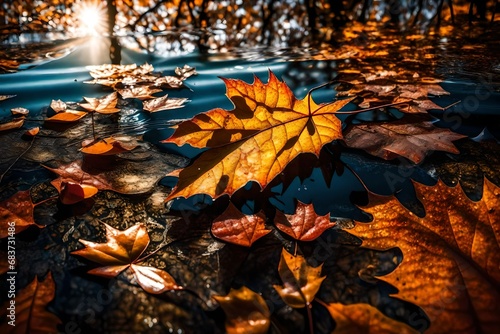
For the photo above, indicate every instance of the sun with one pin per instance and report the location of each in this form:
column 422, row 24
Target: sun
column 91, row 17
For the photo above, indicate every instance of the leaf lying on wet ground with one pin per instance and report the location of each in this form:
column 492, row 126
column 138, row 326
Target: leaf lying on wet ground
column 17, row 212
column 122, row 250
column 246, row 311
column 451, row 263
column 31, row 315
column 267, row 129
column 13, row 124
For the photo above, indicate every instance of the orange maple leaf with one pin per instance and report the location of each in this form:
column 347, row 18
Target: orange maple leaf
column 17, row 211
column 267, row 129
column 451, row 263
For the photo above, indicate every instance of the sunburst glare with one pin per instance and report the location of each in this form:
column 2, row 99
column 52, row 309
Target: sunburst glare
column 91, row 16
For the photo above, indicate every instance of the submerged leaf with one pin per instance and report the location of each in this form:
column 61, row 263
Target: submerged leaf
column 451, row 257
column 246, row 312
column 267, row 129
column 235, row 227
column 31, row 315
column 301, row 282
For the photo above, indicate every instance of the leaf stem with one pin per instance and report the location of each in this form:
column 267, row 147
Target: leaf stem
column 309, row 318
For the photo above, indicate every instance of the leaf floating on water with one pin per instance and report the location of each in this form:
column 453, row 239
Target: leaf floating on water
column 105, row 105
column 5, row 97
column 267, row 129
column 412, row 139
column 305, row 224
column 140, row 92
column 14, row 124
column 31, row 313
column 364, row 319
column 67, row 117
column 164, row 103
column 111, row 146
column 246, row 311
column 19, row 111
column 185, row 72
column 17, row 210
column 451, row 262
column 168, row 82
column 235, row 227
column 301, row 282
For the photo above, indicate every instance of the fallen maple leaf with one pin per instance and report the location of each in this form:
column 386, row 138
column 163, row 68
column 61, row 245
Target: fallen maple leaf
column 407, row 137
column 17, row 211
column 14, row 124
column 111, row 146
column 139, row 92
column 301, row 282
column 5, row 97
column 58, row 106
column 267, row 129
column 235, row 227
column 19, row 111
column 451, row 257
column 30, row 314
column 304, row 224
column 163, row 103
column 364, row 319
column 246, row 311
column 105, row 105
column 122, row 250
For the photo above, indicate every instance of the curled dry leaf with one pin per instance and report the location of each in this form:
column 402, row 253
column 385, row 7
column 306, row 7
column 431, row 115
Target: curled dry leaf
column 407, row 137
column 267, row 129
column 451, row 257
column 19, row 111
column 246, row 312
column 111, row 146
column 58, row 106
column 364, row 319
column 301, row 282
column 163, row 103
column 235, row 227
column 105, row 105
column 305, row 224
column 67, row 116
column 14, row 124
column 17, row 210
column 71, row 193
column 31, row 315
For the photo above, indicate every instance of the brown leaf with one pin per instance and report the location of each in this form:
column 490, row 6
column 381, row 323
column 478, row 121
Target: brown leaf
column 30, row 313
column 111, row 146
column 451, row 257
column 105, row 105
column 266, row 130
column 71, row 193
column 408, row 138
column 58, row 106
column 154, row 280
column 19, row 111
column 301, row 282
column 246, row 312
column 163, row 103
column 14, row 124
column 17, row 211
column 168, row 82
column 420, row 91
column 364, row 319
column 121, row 249
column 32, row 132
column 185, row 72
column 305, row 224
column 5, row 97
column 67, row 116
column 235, row 227
column 138, row 92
